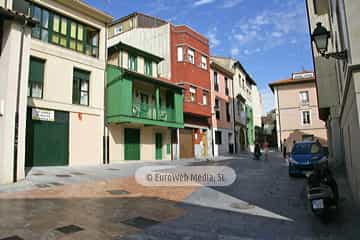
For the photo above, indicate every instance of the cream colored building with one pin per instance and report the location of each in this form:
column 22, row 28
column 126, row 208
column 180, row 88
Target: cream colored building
column 15, row 39
column 61, row 96
column 297, row 110
column 338, row 81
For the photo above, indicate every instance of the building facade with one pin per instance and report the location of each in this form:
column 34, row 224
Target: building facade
column 143, row 111
column 223, row 112
column 186, row 63
column 296, row 110
column 15, row 40
column 244, row 103
column 66, row 84
column 338, row 82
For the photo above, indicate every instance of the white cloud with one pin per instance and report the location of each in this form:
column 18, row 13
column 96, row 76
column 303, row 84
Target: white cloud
column 203, row 2
column 231, row 3
column 213, row 38
column 234, row 51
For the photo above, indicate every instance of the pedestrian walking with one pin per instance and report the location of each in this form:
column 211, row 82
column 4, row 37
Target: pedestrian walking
column 266, row 149
column 284, row 149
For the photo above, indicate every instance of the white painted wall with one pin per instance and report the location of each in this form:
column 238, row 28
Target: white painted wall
column 9, row 68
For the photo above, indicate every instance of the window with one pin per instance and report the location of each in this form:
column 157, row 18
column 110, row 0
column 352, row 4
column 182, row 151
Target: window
column 216, row 81
column 203, row 62
column 118, row 29
column 191, row 56
column 36, row 78
column 81, row 87
column 180, row 54
column 218, row 140
column 192, row 94
column 305, row 118
column 132, row 63
column 148, row 68
column 63, row 31
column 205, row 98
column 228, row 112
column 304, row 97
column 217, row 108
column 226, row 86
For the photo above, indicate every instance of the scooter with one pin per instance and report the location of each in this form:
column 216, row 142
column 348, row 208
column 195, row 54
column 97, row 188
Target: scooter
column 322, row 191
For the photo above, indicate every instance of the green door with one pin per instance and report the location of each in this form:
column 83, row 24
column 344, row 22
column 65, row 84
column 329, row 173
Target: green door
column 132, row 144
column 144, row 107
column 47, row 142
column 159, row 145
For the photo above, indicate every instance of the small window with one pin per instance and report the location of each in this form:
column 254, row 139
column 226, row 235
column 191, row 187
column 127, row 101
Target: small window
column 304, row 97
column 228, row 112
column 306, row 118
column 132, row 63
column 148, row 68
column 191, row 56
column 205, row 98
column 203, row 62
column 192, row 94
column 227, row 91
column 36, row 78
column 218, row 139
column 217, row 108
column 81, row 87
column 180, row 54
column 118, row 29
column 216, row 81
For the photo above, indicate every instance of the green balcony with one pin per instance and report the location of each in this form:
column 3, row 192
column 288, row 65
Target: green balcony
column 136, row 98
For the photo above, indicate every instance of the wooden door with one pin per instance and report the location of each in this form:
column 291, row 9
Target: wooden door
column 186, row 143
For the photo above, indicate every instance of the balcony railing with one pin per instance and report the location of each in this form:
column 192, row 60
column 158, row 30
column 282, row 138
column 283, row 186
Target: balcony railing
column 146, row 111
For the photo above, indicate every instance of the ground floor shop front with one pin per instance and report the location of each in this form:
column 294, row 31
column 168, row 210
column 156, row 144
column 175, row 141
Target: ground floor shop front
column 138, row 142
column 61, row 138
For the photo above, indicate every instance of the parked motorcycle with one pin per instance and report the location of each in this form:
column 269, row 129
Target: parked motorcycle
column 322, row 191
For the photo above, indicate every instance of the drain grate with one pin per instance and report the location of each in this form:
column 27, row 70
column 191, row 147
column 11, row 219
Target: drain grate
column 56, row 184
column 113, row 169
column 78, row 174
column 38, row 174
column 42, row 186
column 118, row 192
column 69, row 229
column 242, row 206
column 63, row 176
column 140, row 222
column 12, row 238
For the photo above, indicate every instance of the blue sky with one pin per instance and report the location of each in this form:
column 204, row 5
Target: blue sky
column 269, row 37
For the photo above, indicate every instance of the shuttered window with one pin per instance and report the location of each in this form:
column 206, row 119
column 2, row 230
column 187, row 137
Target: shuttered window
column 132, row 65
column 36, row 78
column 81, row 83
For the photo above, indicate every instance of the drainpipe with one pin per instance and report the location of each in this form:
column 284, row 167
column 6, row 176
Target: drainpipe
column 106, row 159
column 234, row 130
column 16, row 135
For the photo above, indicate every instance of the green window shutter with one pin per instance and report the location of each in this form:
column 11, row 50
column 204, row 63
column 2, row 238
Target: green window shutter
column 36, row 73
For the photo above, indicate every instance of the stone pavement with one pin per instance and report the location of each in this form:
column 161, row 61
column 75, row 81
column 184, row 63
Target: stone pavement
column 106, row 203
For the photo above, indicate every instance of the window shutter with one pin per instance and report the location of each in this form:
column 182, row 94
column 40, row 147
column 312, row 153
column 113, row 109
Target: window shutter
column 36, row 73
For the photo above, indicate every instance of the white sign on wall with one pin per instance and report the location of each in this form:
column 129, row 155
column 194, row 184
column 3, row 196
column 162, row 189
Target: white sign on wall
column 43, row 115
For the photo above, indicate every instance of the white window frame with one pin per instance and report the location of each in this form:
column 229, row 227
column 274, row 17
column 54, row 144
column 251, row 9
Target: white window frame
column 204, row 62
column 118, row 29
column 192, row 91
column 304, row 101
column 180, row 54
column 205, row 98
column 191, row 55
column 302, row 118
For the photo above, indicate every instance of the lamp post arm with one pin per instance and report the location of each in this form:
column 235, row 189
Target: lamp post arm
column 337, row 55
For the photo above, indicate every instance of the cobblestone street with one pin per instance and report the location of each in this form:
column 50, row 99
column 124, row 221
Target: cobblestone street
column 107, row 203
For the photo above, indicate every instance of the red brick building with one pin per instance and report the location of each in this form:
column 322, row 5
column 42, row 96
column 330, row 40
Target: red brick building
column 190, row 68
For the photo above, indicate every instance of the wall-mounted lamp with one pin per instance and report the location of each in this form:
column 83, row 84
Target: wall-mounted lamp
column 321, row 38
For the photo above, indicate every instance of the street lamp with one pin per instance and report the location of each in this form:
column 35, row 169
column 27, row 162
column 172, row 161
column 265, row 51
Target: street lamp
column 321, row 38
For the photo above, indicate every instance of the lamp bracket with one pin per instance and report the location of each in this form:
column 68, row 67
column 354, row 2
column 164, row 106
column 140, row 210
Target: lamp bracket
column 337, row 55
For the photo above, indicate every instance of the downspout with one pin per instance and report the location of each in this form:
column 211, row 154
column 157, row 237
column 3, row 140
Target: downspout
column 16, row 135
column 234, row 130
column 106, row 159
column 278, row 107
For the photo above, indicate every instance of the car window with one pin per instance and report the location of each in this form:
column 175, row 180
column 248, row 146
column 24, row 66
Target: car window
column 315, row 148
column 302, row 148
